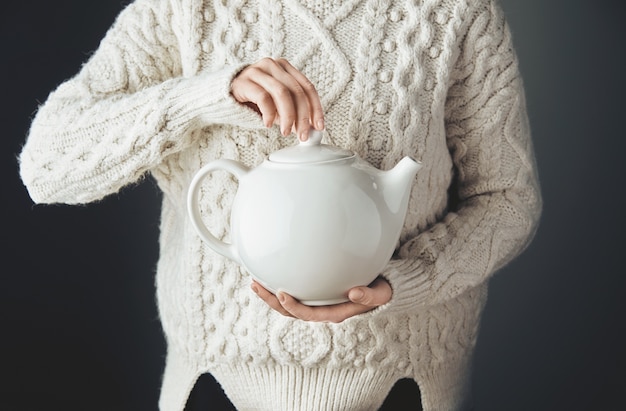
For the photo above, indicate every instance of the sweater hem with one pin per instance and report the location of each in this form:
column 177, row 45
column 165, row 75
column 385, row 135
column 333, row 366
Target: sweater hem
column 292, row 387
column 179, row 379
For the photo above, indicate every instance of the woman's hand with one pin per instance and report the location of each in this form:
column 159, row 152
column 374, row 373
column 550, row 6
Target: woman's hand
column 362, row 300
column 282, row 95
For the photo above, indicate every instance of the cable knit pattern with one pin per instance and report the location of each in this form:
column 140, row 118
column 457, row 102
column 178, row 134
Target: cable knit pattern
column 434, row 79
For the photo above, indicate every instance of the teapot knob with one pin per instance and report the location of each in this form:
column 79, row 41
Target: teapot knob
column 315, row 138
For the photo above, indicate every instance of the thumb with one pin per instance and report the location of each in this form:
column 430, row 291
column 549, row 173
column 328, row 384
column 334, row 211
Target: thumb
column 376, row 294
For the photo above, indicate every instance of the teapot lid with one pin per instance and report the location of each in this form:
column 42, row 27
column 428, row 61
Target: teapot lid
column 310, row 151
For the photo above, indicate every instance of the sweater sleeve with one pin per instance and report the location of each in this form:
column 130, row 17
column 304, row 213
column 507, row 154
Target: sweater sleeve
column 496, row 186
column 128, row 108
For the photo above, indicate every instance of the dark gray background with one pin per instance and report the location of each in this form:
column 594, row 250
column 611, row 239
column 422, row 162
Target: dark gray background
column 79, row 328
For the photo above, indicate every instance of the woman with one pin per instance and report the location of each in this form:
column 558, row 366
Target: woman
column 178, row 83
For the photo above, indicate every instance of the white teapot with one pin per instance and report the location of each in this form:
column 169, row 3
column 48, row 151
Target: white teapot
column 312, row 220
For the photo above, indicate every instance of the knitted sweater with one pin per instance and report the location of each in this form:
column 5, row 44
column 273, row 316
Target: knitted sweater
column 434, row 79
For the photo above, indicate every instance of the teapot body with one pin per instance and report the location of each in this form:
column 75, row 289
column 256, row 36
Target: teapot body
column 312, row 220
column 313, row 231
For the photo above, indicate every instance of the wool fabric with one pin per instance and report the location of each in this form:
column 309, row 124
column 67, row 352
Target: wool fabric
column 437, row 80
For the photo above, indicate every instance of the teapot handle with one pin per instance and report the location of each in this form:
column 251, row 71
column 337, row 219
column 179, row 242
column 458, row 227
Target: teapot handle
column 193, row 205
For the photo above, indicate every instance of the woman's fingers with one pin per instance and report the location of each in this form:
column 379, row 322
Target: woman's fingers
column 326, row 313
column 376, row 294
column 255, row 94
column 274, row 93
column 362, row 300
column 269, row 298
column 282, row 95
column 311, row 114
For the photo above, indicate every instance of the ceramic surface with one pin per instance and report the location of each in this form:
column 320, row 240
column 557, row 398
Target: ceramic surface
column 313, row 225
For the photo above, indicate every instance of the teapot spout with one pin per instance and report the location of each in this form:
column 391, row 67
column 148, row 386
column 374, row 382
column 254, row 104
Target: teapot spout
column 397, row 183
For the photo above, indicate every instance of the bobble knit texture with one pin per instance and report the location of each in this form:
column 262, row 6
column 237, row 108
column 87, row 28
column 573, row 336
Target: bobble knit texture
column 434, row 79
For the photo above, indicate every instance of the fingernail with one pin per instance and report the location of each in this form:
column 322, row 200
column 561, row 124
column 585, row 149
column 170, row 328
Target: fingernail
column 304, row 136
column 356, row 295
column 320, row 124
column 281, row 297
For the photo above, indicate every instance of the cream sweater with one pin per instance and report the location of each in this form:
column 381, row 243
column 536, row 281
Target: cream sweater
column 434, row 79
